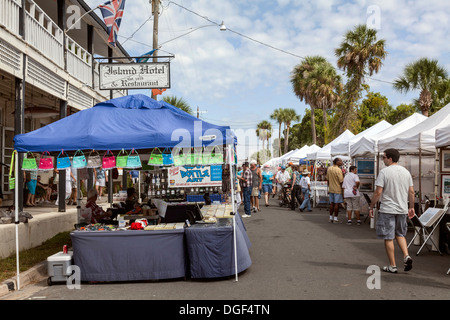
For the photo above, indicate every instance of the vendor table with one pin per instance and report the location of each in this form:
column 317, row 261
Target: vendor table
column 211, row 248
column 129, row 255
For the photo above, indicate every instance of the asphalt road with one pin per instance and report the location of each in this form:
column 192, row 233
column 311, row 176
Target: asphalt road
column 295, row 256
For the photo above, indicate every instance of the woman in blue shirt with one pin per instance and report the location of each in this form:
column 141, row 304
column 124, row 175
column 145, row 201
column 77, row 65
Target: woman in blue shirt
column 267, row 176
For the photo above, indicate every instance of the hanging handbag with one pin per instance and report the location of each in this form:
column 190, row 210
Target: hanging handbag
column 94, row 160
column 194, row 158
column 167, row 157
column 79, row 161
column 179, row 158
column 121, row 159
column 108, row 161
column 64, row 161
column 46, row 161
column 215, row 156
column 29, row 164
column 12, row 179
column 134, row 161
column 156, row 158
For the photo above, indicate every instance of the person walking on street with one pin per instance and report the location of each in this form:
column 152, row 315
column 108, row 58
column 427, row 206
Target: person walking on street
column 352, row 195
column 267, row 178
column 395, row 190
column 335, row 177
column 296, row 190
column 305, row 183
column 282, row 178
column 256, row 185
column 246, row 185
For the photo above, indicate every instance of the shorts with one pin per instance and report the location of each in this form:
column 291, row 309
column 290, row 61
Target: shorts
column 391, row 225
column 336, row 198
column 353, row 203
column 100, row 183
column 32, row 186
column 255, row 191
column 267, row 188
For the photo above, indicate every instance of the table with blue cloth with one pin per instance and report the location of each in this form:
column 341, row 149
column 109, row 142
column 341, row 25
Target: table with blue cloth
column 129, row 255
column 211, row 248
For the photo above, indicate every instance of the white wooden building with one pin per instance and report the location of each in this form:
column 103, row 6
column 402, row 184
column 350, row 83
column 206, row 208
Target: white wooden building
column 45, row 72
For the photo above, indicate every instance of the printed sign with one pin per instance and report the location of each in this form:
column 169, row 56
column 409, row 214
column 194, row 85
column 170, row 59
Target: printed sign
column 115, row 76
column 195, row 176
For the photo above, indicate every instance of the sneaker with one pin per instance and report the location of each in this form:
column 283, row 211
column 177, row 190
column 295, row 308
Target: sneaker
column 390, row 269
column 349, row 222
column 408, row 263
column 358, row 222
column 246, row 216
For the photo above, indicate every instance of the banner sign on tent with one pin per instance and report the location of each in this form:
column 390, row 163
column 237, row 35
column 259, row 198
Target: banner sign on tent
column 115, row 76
column 195, row 176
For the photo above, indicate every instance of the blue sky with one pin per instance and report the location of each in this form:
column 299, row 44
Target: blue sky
column 239, row 82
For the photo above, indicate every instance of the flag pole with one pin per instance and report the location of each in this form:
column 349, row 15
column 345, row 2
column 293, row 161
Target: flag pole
column 16, row 218
column 100, row 5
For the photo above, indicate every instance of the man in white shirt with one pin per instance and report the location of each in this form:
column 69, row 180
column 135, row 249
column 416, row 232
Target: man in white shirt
column 351, row 195
column 395, row 190
column 282, row 178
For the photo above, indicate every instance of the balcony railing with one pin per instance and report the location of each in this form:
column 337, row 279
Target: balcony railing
column 79, row 62
column 9, row 15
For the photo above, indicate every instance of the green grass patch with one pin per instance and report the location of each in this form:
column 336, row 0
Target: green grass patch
column 31, row 257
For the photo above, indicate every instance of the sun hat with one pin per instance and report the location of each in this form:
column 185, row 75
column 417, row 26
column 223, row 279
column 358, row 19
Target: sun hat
column 306, row 171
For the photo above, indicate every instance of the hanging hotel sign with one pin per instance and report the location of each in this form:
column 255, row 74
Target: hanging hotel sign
column 118, row 76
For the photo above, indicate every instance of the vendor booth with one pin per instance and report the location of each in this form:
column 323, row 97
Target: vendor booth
column 184, row 156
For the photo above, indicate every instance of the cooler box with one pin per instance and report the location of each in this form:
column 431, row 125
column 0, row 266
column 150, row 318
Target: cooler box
column 57, row 265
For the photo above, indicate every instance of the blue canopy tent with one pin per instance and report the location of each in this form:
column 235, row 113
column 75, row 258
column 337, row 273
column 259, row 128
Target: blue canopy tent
column 134, row 121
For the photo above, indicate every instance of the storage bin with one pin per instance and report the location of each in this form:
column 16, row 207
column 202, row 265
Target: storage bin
column 57, row 265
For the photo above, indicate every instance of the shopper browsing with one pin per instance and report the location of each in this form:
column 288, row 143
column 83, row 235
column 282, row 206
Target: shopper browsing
column 335, row 178
column 305, row 184
column 352, row 195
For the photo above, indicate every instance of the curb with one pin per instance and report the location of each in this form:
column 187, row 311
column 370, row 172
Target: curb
column 31, row 276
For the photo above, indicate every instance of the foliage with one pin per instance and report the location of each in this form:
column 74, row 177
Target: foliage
column 179, row 103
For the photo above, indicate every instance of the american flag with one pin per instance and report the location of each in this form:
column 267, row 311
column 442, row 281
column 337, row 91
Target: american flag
column 112, row 12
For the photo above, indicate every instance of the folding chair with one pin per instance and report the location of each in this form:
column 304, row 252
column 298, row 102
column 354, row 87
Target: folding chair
column 430, row 219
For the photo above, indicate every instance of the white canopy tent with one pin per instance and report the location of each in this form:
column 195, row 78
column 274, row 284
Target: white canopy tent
column 368, row 145
column 443, row 137
column 302, row 152
column 325, row 152
column 343, row 148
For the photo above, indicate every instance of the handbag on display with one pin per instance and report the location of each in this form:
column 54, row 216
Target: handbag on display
column 215, row 156
column 46, row 161
column 79, row 160
column 94, row 160
column 109, row 160
column 121, row 159
column 156, row 158
column 29, row 164
column 179, row 158
column 134, row 161
column 12, row 179
column 167, row 157
column 63, row 162
column 194, row 158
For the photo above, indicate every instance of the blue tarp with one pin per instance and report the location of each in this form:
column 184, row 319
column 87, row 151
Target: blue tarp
column 134, row 121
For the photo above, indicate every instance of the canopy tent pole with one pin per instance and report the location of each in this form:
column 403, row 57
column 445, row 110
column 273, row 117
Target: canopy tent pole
column 436, row 170
column 230, row 162
column 420, row 174
column 16, row 210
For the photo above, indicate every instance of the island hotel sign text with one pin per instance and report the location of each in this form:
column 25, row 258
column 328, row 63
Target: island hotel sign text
column 118, row 76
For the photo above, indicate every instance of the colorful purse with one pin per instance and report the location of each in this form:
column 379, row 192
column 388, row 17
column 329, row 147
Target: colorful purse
column 179, row 158
column 29, row 164
column 193, row 158
column 156, row 158
column 134, row 161
column 108, row 161
column 94, row 160
column 121, row 159
column 79, row 161
column 167, row 157
column 12, row 179
column 63, row 162
column 46, row 161
column 215, row 156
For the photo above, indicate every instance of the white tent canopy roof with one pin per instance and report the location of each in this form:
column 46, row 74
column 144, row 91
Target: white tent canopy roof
column 325, row 152
column 343, row 148
column 369, row 145
column 421, row 136
column 443, row 137
column 302, row 152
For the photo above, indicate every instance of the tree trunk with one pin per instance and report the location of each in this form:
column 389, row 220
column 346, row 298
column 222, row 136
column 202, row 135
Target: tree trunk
column 313, row 126
column 279, row 139
column 286, row 139
column 425, row 101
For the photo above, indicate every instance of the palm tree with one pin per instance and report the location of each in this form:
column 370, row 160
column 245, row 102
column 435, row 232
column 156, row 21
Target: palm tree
column 316, row 82
column 289, row 115
column 424, row 75
column 179, row 103
column 277, row 115
column 360, row 54
column 264, row 132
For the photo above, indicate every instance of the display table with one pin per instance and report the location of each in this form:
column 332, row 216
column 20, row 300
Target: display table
column 211, row 249
column 129, row 255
